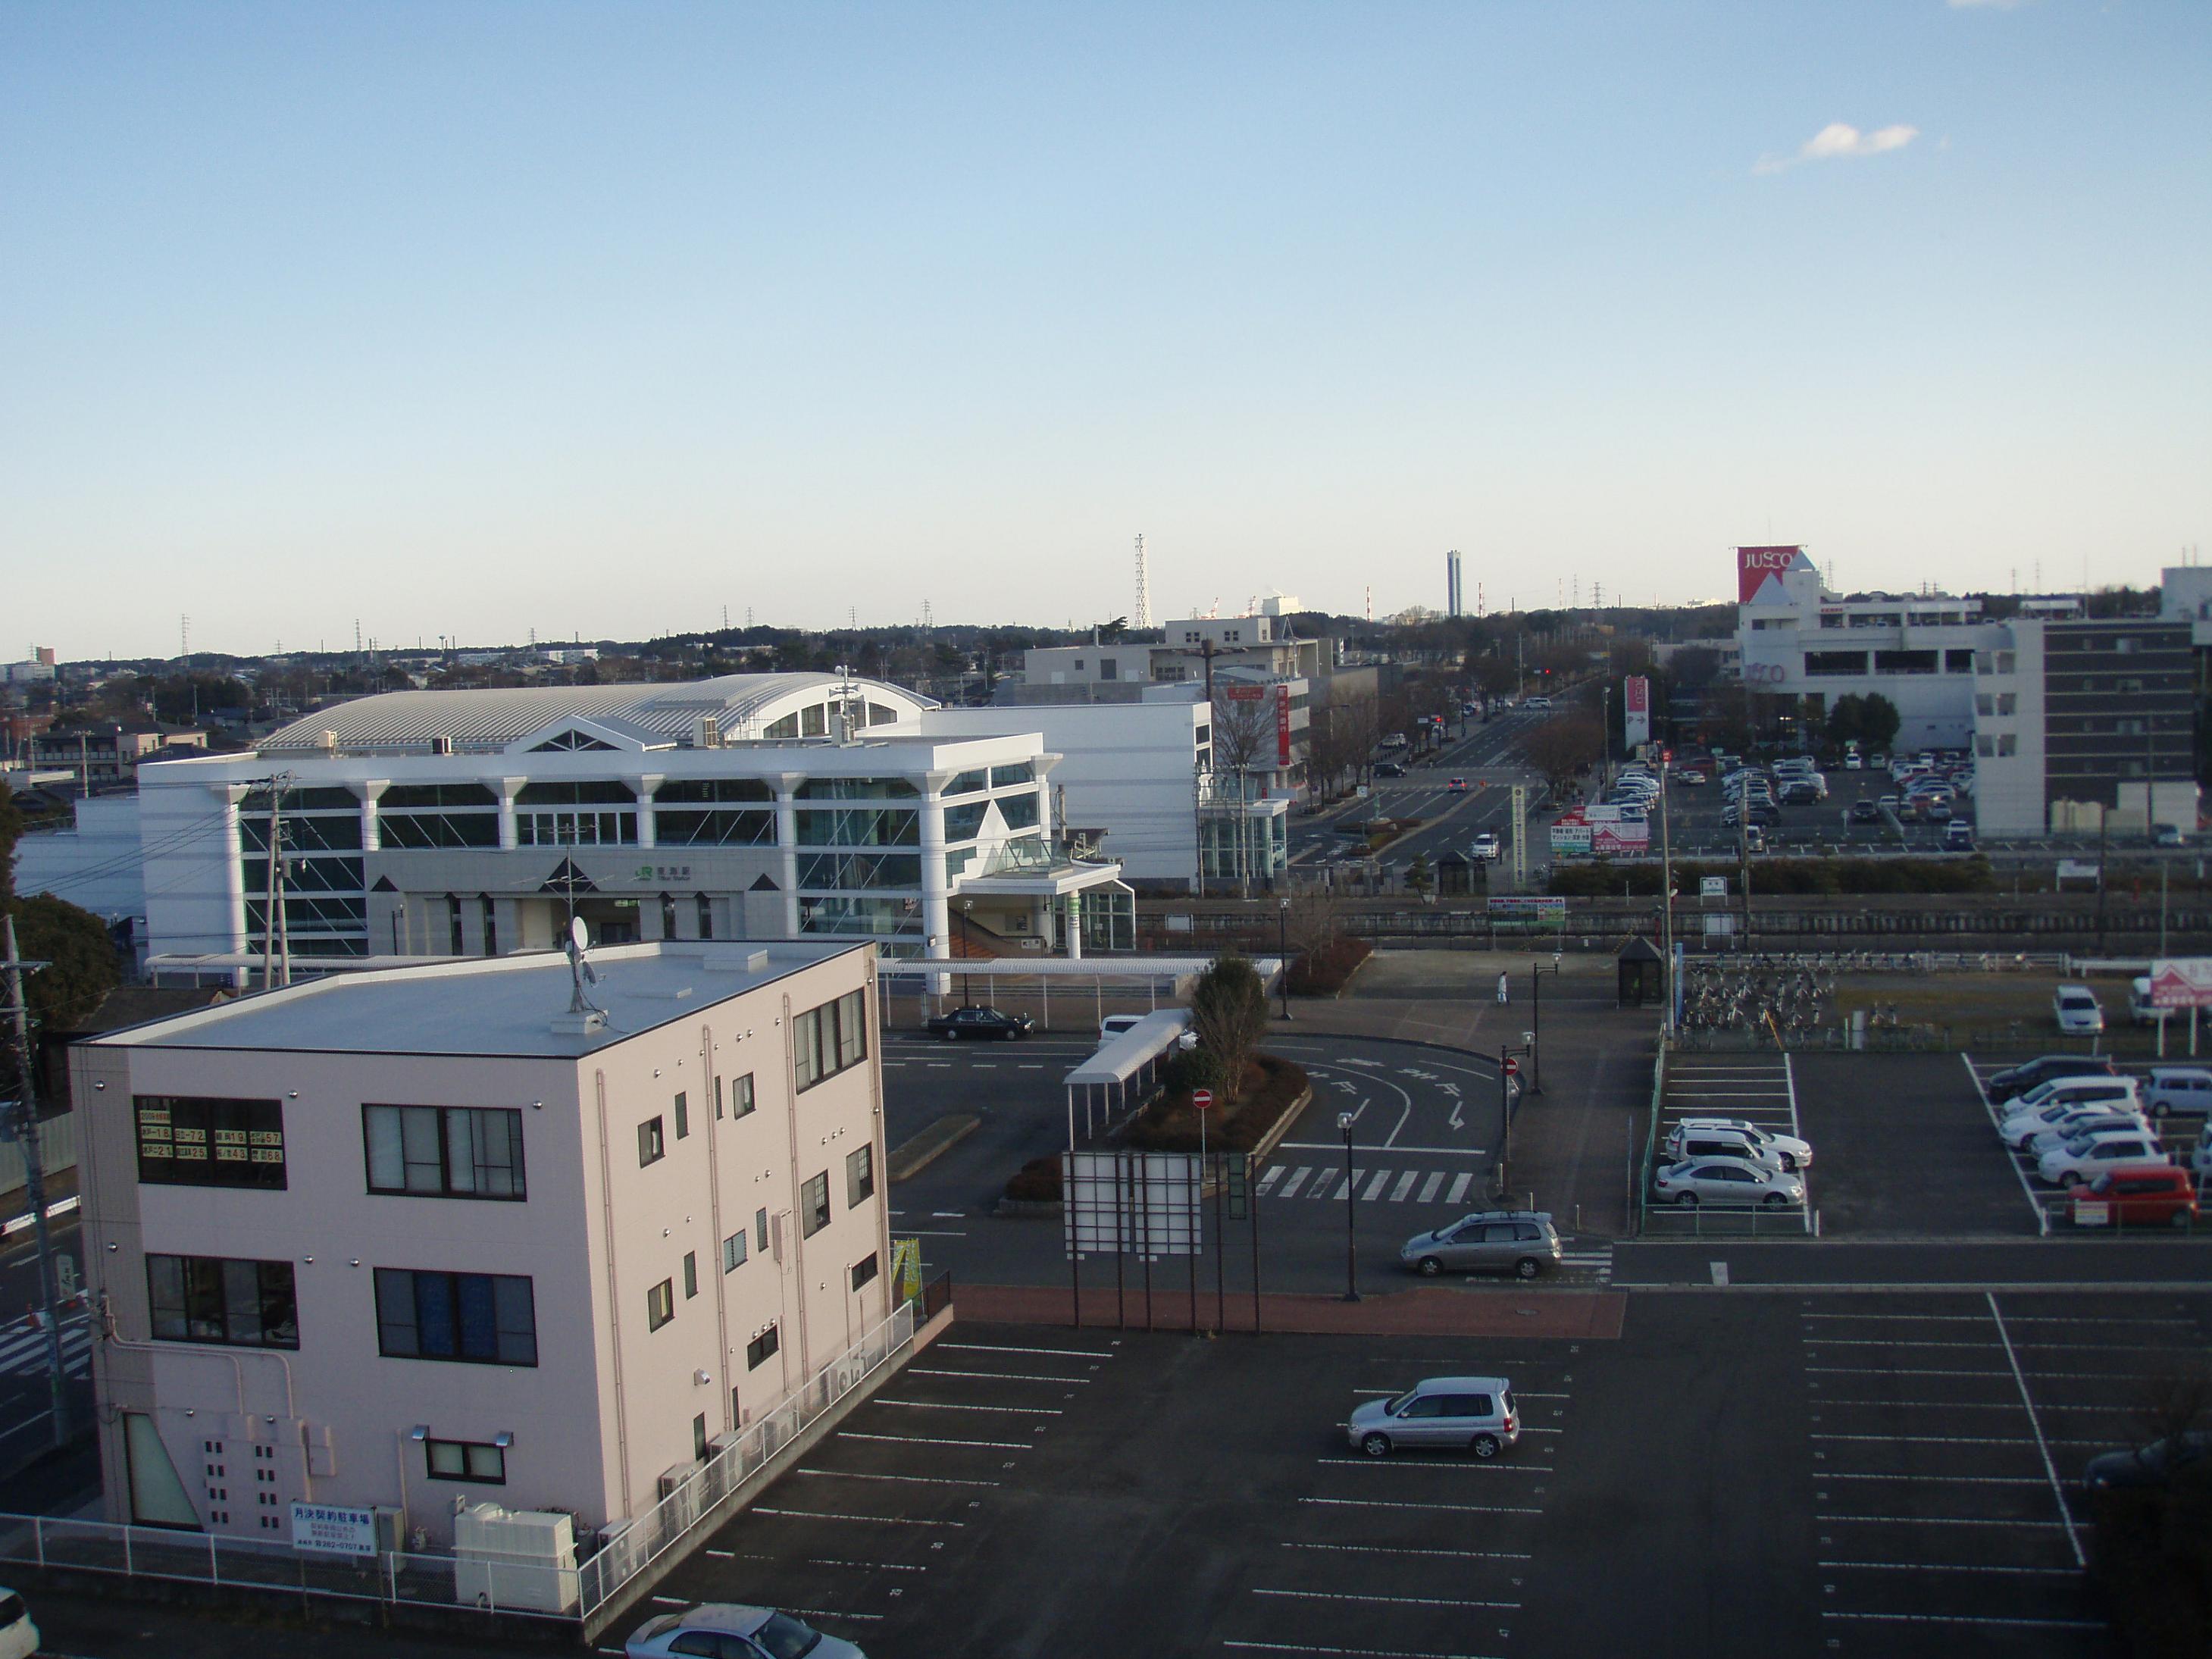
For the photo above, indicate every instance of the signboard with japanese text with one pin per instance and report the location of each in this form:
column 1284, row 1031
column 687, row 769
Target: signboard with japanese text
column 2181, row 983
column 333, row 1529
column 1636, row 710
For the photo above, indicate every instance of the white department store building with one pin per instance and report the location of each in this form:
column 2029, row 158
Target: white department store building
column 762, row 806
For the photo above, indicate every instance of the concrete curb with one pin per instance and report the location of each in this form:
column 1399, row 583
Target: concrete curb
column 918, row 1151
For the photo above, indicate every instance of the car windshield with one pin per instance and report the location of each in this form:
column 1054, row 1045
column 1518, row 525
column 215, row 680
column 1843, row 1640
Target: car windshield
column 784, row 1638
column 1397, row 1407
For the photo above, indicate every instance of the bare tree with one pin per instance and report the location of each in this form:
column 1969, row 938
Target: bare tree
column 1243, row 732
column 1316, row 920
column 1563, row 746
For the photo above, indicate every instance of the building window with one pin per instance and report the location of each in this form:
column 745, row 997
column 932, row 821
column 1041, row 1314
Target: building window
column 1985, row 744
column 1835, row 662
column 864, row 1270
column 859, row 1176
column 1904, row 662
column 661, row 1305
column 814, row 1204
column 760, row 1229
column 2007, row 744
column 683, row 1114
column 827, row 1040
column 706, row 916
column 465, row 1460
column 239, row 1305
column 741, row 1096
column 210, row 1142
column 691, row 1274
column 491, row 925
column 444, row 1152
column 2008, row 702
column 652, row 1148
column 483, row 1319
column 699, row 1438
column 2005, row 661
column 761, row 1348
column 668, row 915
column 453, row 924
column 733, row 1252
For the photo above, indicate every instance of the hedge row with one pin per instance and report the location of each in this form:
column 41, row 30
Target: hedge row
column 1770, row 876
column 1323, row 972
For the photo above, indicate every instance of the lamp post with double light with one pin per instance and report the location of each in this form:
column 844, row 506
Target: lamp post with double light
column 1351, row 1214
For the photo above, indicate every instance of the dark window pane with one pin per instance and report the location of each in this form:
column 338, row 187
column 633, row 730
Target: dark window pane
column 479, row 1319
column 433, row 1316
column 396, row 1329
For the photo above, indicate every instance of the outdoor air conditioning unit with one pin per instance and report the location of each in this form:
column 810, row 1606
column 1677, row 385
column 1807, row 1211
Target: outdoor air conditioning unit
column 507, row 1557
column 441, row 745
column 327, row 742
column 708, row 734
column 678, row 1488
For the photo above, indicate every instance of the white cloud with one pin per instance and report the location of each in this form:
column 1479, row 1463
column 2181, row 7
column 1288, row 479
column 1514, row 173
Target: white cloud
column 1837, row 140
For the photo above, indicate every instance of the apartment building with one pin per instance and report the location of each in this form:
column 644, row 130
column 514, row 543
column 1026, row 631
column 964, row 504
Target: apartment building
column 390, row 1240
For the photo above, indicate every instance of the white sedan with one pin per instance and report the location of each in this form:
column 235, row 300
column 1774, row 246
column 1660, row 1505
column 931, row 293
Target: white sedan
column 1731, row 1181
column 2090, row 1154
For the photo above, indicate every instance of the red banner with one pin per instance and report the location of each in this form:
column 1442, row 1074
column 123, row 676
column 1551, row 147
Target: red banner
column 1282, row 726
column 1756, row 566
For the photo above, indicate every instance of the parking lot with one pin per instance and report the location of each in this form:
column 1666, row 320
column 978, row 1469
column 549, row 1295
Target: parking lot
column 1758, row 1088
column 1867, row 1472
column 1948, row 1434
column 2050, row 1208
column 1694, row 819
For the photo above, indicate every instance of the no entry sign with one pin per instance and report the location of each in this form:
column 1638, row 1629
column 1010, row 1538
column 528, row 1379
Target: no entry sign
column 1512, row 1066
column 1201, row 1098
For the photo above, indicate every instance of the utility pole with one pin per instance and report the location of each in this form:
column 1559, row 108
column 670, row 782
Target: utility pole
column 1667, row 890
column 25, row 1126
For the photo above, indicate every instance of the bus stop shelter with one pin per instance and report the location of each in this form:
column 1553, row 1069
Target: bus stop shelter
column 1124, row 1071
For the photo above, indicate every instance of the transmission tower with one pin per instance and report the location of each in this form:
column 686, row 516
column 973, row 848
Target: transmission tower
column 1144, row 617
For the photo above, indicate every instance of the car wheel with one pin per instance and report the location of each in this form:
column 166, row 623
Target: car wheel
column 2070, row 1180
column 949, row 1035
column 1376, row 1445
column 1528, row 1266
column 1686, row 1200
column 1774, row 1200
column 1484, row 1445
column 1428, row 1266
column 2182, row 1217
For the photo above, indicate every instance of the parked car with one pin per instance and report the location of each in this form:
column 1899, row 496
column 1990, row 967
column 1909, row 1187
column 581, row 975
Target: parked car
column 731, row 1631
column 1864, row 812
column 2200, row 1159
column 19, row 1637
column 1683, row 1145
column 1936, row 809
column 1519, row 1242
column 2106, row 1098
column 1890, row 802
column 2169, row 835
column 2184, row 1089
column 2077, row 1010
column 1475, row 1414
column 2138, row 1194
column 1726, row 1181
column 2148, row 1465
column 2087, row 1122
column 1792, row 1153
column 1958, row 836
column 1854, row 764
column 1486, row 846
column 1799, row 791
column 2019, row 1079
column 1758, row 813
column 2089, row 1155
column 971, row 1022
column 1389, row 769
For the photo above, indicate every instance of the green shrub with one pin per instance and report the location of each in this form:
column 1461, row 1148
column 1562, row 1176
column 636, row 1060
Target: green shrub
column 1192, row 1068
column 1036, row 1181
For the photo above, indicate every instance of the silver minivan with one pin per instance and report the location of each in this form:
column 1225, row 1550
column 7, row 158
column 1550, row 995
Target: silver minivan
column 1471, row 1413
column 1519, row 1242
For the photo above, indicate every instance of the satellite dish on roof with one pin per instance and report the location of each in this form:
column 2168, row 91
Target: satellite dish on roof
column 579, row 937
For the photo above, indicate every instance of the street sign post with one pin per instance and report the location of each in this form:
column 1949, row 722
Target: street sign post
column 1512, row 1066
column 1201, row 1099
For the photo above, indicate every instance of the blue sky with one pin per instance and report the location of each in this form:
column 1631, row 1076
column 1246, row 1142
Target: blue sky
column 475, row 319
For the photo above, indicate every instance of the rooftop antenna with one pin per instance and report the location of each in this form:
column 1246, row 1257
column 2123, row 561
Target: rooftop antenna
column 1144, row 617
column 587, row 1014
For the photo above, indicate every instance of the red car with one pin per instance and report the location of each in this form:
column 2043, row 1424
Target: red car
column 2137, row 1194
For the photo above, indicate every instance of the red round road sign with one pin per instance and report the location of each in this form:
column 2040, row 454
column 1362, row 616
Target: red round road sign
column 1512, row 1066
column 1201, row 1098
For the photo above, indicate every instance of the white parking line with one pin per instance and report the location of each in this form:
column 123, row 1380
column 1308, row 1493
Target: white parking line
column 1962, row 1405
column 913, row 1479
column 1935, row 1520
column 1408, row 1549
column 1927, row 1440
column 1005, row 1347
column 1885, row 1342
column 2042, row 1215
column 1946, row 1566
column 996, row 1376
column 939, row 1406
column 1971, row 1618
column 1938, row 1479
column 865, row 1566
column 1891, row 1371
column 1348, row 1653
column 2026, row 1400
column 1401, row 1504
column 931, row 1440
column 831, row 1515
column 1429, row 1187
column 1391, row 1601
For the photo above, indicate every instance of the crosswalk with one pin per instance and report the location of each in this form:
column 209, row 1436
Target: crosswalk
column 23, row 1346
column 1374, row 1185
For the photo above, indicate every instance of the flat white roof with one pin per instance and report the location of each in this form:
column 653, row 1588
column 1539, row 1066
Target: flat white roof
column 497, row 1006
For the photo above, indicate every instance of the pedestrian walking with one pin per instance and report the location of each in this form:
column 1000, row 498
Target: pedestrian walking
column 1504, row 990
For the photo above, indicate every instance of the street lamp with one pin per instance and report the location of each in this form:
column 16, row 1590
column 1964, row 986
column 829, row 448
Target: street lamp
column 1351, row 1209
column 1283, row 951
column 967, row 999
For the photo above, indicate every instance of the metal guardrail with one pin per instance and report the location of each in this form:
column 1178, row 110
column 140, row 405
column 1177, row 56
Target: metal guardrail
column 1734, row 1221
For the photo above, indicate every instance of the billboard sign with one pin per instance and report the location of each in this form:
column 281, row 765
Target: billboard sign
column 1282, row 726
column 1636, row 710
column 333, row 1529
column 2181, row 983
column 1759, row 571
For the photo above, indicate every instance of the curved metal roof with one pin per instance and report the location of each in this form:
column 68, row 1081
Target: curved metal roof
column 481, row 721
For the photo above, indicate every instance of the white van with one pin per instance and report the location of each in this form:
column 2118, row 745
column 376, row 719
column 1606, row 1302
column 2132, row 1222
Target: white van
column 2140, row 1011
